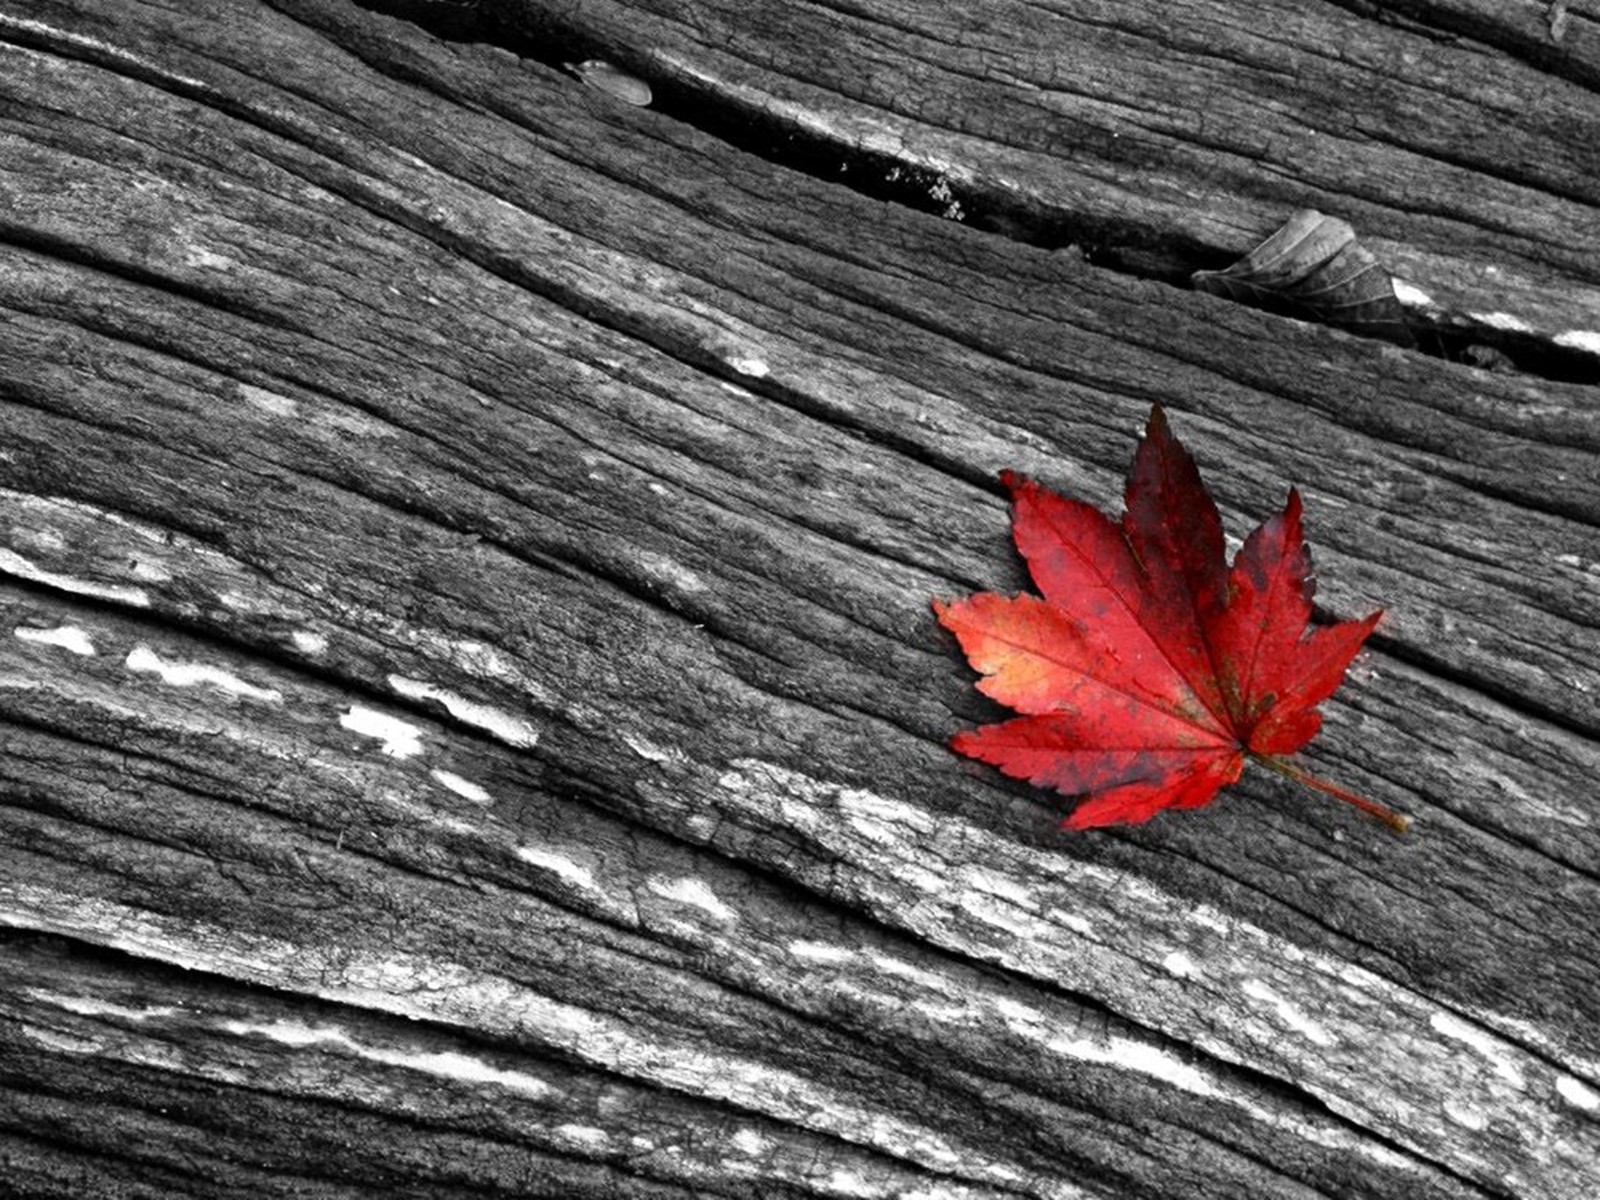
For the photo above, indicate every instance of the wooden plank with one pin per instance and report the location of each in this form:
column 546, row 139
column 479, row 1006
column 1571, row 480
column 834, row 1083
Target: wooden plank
column 1461, row 144
column 504, row 523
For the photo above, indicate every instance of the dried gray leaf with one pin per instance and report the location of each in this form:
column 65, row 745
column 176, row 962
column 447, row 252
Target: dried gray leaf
column 1314, row 265
column 598, row 73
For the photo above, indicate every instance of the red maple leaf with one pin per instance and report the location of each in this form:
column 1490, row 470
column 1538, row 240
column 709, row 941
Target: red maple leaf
column 1150, row 670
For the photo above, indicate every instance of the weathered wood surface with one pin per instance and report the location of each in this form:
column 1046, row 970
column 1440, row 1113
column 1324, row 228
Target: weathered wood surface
column 472, row 719
column 1161, row 138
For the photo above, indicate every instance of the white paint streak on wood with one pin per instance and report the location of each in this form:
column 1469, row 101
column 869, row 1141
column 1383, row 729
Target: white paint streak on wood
column 462, row 787
column 586, row 1136
column 1528, row 1034
column 844, row 1182
column 937, row 1013
column 67, row 637
column 653, row 753
column 1016, row 1013
column 291, row 1033
column 898, row 966
column 694, row 892
column 1148, row 1060
column 1209, row 918
column 309, row 643
column 50, row 511
column 820, row 952
column 1113, row 1051
column 268, row 402
column 445, row 1064
column 512, row 730
column 199, row 256
column 1482, row 1041
column 181, row 674
column 64, row 1043
column 1500, row 320
column 1002, row 887
column 887, row 822
column 484, row 661
column 1289, row 1013
column 1071, row 921
column 13, row 563
column 400, row 739
column 1130, row 1054
column 120, row 54
column 1410, row 295
column 1579, row 339
column 93, row 1006
column 669, row 573
column 558, row 864
column 251, row 603
column 1577, row 1093
column 1466, row 1115
column 1179, row 964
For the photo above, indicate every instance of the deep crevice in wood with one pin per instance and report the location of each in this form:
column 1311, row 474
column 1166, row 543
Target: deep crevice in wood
column 1122, row 247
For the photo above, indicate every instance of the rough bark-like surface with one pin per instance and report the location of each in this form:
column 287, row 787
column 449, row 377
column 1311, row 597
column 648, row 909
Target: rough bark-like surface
column 470, row 717
column 1459, row 138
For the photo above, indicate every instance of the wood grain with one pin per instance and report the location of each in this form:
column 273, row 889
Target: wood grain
column 1459, row 141
column 470, row 717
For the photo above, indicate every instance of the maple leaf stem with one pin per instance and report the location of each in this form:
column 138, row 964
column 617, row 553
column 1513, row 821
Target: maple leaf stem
column 1398, row 822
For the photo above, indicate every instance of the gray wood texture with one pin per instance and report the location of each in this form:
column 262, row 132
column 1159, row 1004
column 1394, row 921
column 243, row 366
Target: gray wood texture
column 471, row 720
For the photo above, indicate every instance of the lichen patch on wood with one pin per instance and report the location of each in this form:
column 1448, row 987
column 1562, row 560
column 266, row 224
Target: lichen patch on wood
column 67, row 637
